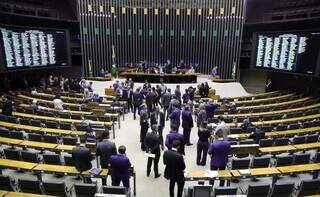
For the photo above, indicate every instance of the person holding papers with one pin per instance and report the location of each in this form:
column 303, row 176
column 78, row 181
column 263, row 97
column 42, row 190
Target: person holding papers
column 218, row 151
column 152, row 143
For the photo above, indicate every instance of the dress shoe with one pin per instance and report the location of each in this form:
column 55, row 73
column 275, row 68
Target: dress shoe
column 189, row 144
column 157, row 176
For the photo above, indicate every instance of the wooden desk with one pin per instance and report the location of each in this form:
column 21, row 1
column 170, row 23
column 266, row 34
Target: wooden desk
column 3, row 193
column 57, row 169
column 22, row 194
column 66, row 148
column 37, row 145
column 307, row 146
column 61, row 131
column 299, row 168
column 275, row 149
column 264, row 171
column 10, row 141
column 202, row 175
column 8, row 163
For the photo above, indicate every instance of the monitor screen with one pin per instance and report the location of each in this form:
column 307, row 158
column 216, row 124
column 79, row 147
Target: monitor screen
column 295, row 52
column 22, row 48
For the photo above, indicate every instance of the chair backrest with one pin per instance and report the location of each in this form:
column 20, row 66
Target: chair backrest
column 4, row 132
column 301, row 158
column 114, row 190
column 3, row 117
column 16, row 134
column 261, row 162
column 36, row 123
column 51, row 124
column 35, row 137
column 261, row 190
column 202, row 191
column 70, row 140
column 5, row 183
column 54, row 188
column 50, row 138
column 81, row 127
column 91, row 117
column 52, row 158
column 225, row 191
column 242, row 163
column 309, row 187
column 11, row 119
column 66, row 126
column 24, row 121
column 29, row 186
column 29, row 156
column 266, row 142
column 235, row 130
column 64, row 115
column 281, row 127
column 286, row 160
column 76, row 116
column 317, row 158
column 266, row 128
column 281, row 141
column 12, row 154
column 299, row 140
column 68, row 160
column 294, row 126
column 312, row 138
column 85, row 190
column 282, row 189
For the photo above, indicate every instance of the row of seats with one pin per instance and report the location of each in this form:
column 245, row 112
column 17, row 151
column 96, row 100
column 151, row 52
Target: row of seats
column 256, row 96
column 312, row 138
column 268, row 101
column 56, row 188
column 285, row 189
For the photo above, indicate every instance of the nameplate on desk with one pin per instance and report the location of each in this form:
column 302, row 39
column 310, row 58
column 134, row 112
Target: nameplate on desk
column 212, row 174
column 245, row 172
column 150, row 155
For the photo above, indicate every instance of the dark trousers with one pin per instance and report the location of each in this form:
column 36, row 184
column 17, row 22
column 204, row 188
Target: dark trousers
column 116, row 182
column 130, row 107
column 166, row 112
column 155, row 164
column 202, row 150
column 135, row 107
column 180, row 184
column 217, row 168
column 186, row 135
column 143, row 132
column 150, row 108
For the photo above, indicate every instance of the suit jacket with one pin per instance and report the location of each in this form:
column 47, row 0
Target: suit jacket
column 105, row 149
column 175, row 165
column 82, row 157
column 187, row 120
column 219, row 150
column 152, row 142
column 202, row 116
column 136, row 98
column 210, row 108
column 257, row 136
column 160, row 121
column 175, row 136
column 175, row 117
column 166, row 98
column 120, row 165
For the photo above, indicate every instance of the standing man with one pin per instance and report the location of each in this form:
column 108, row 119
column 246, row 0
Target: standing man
column 105, row 149
column 175, row 166
column 152, row 143
column 157, row 117
column 202, row 115
column 82, row 158
column 149, row 101
column 203, row 144
column 210, row 107
column 166, row 98
column 144, row 125
column 175, row 117
column 172, row 136
column 223, row 127
column 187, row 124
column 120, row 165
column 218, row 151
column 177, row 93
column 137, row 100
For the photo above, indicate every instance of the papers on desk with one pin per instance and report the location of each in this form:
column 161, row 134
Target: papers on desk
column 245, row 172
column 233, row 136
column 211, row 174
column 95, row 171
column 150, row 155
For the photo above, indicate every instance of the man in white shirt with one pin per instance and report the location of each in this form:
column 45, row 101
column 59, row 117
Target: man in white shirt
column 223, row 127
column 57, row 103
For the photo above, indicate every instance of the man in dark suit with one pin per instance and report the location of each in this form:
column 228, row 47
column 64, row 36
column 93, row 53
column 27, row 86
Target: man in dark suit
column 218, row 151
column 152, row 143
column 82, row 158
column 166, row 98
column 175, row 166
column 175, row 117
column 210, row 107
column 187, row 124
column 157, row 117
column 136, row 101
column 144, row 125
column 120, row 165
column 105, row 149
column 172, row 136
column 257, row 135
column 7, row 107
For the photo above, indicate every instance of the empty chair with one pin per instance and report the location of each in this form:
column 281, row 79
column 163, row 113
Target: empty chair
column 24, row 121
column 4, row 132
column 114, row 190
column 299, row 140
column 64, row 115
column 242, row 163
column 227, row 191
column 260, row 162
column 29, row 111
column 50, row 138
column 55, row 189
column 281, row 127
column 85, row 190
column 36, row 123
column 51, row 158
column 202, row 190
column 235, row 130
column 266, row 128
column 16, row 134
column 29, row 186
column 35, row 137
column 312, row 138
column 76, row 116
column 51, row 124
column 91, row 117
column 6, row 183
column 70, row 140
column 301, row 158
column 309, row 187
column 65, row 126
column 281, row 141
column 12, row 154
column 29, row 156
column 68, row 160
column 49, row 114
column 11, row 119
column 284, row 160
column 3, row 118
column 307, row 124
column 81, row 127
column 317, row 158
column 266, row 142
column 282, row 189
column 106, row 119
column 258, row 190
column 246, row 142
column 294, row 126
